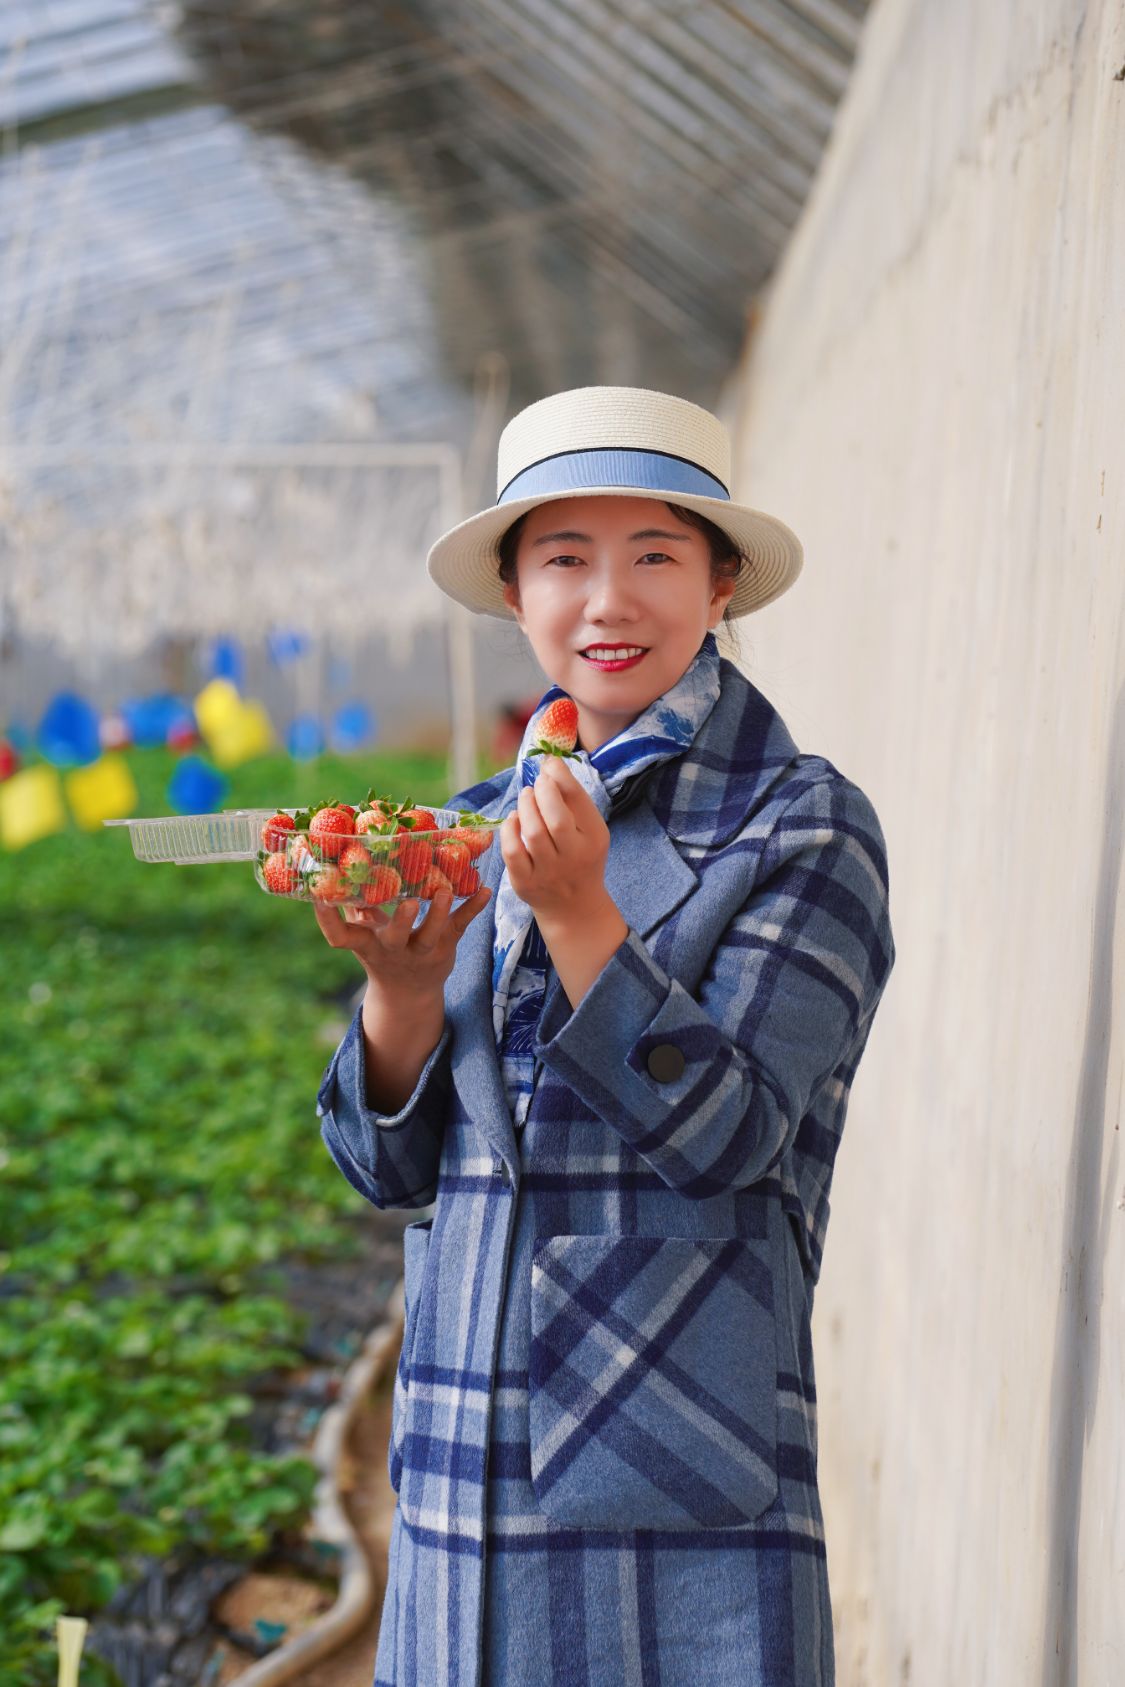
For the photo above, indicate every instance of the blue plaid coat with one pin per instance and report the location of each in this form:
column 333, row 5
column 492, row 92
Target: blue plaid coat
column 604, row 1433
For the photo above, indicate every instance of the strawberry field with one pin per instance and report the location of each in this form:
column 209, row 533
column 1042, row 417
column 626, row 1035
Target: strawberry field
column 164, row 1033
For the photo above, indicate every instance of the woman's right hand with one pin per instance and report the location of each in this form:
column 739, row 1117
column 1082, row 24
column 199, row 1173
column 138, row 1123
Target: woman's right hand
column 399, row 960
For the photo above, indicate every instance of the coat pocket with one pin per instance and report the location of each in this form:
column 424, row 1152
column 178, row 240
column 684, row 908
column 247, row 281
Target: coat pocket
column 415, row 1247
column 652, row 1381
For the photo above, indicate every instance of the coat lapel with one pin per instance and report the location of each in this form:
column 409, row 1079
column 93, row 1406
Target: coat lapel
column 700, row 798
column 710, row 792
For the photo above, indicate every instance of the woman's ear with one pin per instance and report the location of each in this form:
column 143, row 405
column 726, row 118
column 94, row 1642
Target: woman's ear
column 721, row 595
column 512, row 599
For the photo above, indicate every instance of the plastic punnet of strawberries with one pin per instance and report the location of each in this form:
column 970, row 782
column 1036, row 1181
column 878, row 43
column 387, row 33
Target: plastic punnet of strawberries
column 372, row 854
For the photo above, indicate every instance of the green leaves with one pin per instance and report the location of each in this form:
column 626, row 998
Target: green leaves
column 164, row 1036
column 543, row 748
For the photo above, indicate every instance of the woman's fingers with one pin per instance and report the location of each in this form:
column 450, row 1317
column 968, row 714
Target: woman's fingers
column 359, row 927
column 469, row 909
column 429, row 933
column 552, row 796
column 512, row 846
column 395, row 934
column 328, row 919
column 534, row 829
column 371, row 918
column 369, row 931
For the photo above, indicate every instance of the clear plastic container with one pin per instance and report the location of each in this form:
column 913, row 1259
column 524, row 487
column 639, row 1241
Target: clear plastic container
column 234, row 835
column 345, row 869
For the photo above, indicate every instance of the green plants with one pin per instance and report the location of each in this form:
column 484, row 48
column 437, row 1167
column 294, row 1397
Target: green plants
column 159, row 1163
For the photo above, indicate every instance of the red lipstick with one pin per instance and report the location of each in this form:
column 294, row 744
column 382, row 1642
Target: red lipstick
column 613, row 667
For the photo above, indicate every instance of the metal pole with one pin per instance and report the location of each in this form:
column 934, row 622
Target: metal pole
column 463, row 751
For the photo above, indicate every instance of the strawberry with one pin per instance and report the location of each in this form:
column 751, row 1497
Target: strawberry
column 475, row 838
column 278, row 875
column 452, row 857
column 433, row 881
column 348, row 808
column 329, row 885
column 370, row 819
column 411, row 857
column 355, row 863
column 421, row 818
column 298, row 852
column 274, row 831
column 330, row 827
column 374, row 800
column 468, row 881
column 383, row 886
column 558, row 729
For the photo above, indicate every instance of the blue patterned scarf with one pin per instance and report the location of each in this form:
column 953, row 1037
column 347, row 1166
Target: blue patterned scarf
column 519, row 957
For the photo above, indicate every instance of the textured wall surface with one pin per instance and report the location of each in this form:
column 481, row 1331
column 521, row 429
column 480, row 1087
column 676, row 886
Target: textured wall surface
column 935, row 400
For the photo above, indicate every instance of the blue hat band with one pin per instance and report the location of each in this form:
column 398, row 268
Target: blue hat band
column 578, row 471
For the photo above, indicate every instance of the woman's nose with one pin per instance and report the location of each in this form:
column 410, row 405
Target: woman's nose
column 610, row 598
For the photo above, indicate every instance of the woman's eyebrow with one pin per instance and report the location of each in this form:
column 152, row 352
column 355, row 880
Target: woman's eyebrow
column 587, row 539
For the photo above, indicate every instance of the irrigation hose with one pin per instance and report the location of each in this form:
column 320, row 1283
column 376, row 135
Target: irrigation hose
column 356, row 1597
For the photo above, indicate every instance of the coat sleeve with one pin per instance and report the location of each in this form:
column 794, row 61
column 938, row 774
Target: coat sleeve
column 391, row 1158
column 788, row 992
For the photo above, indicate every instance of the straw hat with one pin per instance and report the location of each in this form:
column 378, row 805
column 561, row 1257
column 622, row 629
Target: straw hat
column 613, row 440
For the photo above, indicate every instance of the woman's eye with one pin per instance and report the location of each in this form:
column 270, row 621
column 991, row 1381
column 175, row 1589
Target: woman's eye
column 649, row 556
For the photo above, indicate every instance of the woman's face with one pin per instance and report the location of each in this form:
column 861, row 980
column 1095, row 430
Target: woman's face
column 613, row 570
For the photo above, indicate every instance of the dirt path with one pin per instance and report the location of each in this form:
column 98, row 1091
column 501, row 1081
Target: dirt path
column 370, row 1502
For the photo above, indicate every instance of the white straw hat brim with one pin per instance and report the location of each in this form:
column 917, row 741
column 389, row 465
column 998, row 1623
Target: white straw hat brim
column 465, row 562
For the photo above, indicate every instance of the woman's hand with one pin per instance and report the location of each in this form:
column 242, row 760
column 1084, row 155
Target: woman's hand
column 555, row 847
column 401, row 962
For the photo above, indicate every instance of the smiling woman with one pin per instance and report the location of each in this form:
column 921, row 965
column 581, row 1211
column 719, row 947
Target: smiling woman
column 627, row 1104
column 607, row 577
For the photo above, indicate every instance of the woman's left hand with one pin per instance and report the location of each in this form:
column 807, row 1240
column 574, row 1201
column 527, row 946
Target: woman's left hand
column 555, row 846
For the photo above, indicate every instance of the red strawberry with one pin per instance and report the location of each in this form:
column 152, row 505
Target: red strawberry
column 423, row 820
column 557, row 728
column 467, row 882
column 475, row 838
column 279, row 875
column 330, row 828
column 348, row 808
column 452, row 857
column 329, row 885
column 298, row 851
column 384, row 885
column 274, row 831
column 355, row 863
column 369, row 818
column 433, row 881
column 411, row 856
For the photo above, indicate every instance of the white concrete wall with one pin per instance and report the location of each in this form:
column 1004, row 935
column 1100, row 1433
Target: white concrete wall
column 935, row 400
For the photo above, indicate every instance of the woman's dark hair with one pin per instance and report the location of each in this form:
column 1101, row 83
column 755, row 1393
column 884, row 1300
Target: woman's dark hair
column 727, row 559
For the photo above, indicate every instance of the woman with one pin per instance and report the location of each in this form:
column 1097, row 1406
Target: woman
column 623, row 1096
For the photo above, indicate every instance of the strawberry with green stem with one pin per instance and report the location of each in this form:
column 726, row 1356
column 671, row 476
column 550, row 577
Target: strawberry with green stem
column 330, row 825
column 557, row 729
column 355, row 864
